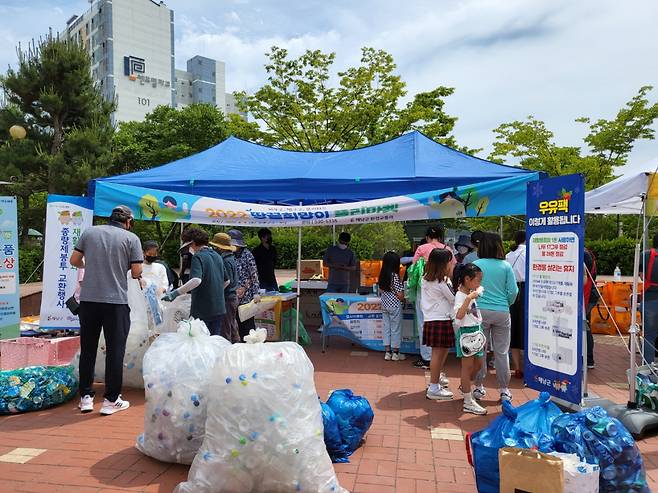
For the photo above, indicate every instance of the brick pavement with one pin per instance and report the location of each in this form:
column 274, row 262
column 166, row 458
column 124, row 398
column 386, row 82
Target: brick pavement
column 414, row 445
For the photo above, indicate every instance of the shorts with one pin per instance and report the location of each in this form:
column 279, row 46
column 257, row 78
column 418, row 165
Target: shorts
column 467, row 330
column 439, row 333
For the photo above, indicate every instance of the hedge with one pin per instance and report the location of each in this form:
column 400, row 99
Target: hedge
column 610, row 253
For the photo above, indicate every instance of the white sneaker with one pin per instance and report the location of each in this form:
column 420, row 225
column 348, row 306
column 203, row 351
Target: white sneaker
column 399, row 357
column 479, row 393
column 472, row 406
column 443, row 380
column 387, row 356
column 505, row 395
column 441, row 395
column 113, row 407
column 86, row 404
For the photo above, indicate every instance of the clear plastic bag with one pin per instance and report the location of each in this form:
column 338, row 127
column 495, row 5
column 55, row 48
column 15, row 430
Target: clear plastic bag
column 177, row 370
column 264, row 428
column 579, row 476
column 36, row 387
column 173, row 312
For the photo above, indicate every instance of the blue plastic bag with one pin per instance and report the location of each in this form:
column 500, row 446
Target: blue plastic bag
column 353, row 415
column 36, row 387
column 599, row 439
column 332, row 437
column 533, row 423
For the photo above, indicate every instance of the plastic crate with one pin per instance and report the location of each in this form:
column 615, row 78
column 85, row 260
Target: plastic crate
column 34, row 351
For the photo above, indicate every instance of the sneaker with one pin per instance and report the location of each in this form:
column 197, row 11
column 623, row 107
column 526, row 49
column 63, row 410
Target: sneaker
column 591, row 366
column 423, row 364
column 474, row 408
column 86, row 404
column 440, row 395
column 479, row 393
column 443, row 380
column 113, row 407
column 387, row 356
column 505, row 395
column 399, row 357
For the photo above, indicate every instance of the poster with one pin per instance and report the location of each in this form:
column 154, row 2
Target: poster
column 359, row 319
column 10, row 311
column 492, row 198
column 66, row 218
column 554, row 286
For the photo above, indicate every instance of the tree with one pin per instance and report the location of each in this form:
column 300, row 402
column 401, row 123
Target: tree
column 167, row 134
column 300, row 108
column 609, row 142
column 52, row 95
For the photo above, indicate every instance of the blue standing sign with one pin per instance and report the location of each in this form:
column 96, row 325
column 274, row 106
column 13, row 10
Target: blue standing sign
column 554, row 286
column 9, row 283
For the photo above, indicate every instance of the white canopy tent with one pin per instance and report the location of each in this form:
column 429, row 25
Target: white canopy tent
column 625, row 195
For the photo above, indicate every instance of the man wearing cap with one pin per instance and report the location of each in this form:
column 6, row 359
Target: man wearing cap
column 248, row 283
column 222, row 242
column 463, row 247
column 106, row 252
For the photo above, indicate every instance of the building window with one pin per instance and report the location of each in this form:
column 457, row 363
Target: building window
column 199, row 90
column 213, row 73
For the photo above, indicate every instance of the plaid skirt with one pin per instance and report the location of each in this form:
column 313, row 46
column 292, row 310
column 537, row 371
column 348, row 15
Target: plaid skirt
column 439, row 333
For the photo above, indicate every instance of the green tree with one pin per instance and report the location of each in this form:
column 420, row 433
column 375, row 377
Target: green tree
column 607, row 145
column 52, row 95
column 300, row 108
column 167, row 134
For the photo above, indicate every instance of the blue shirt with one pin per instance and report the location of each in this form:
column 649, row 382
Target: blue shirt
column 499, row 285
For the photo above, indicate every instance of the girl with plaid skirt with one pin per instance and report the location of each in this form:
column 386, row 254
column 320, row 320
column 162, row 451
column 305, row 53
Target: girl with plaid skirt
column 437, row 302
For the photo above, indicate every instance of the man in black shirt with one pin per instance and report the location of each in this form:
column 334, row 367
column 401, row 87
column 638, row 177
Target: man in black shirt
column 265, row 255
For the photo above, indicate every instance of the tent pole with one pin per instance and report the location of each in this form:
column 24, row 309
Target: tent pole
column 501, row 227
column 299, row 275
column 333, row 233
column 633, row 331
column 645, row 226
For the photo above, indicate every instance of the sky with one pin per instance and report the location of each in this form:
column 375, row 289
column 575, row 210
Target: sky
column 554, row 59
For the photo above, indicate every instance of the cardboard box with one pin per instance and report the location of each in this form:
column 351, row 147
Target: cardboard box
column 310, row 268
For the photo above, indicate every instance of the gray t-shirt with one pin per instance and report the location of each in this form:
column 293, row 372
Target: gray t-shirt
column 344, row 258
column 109, row 251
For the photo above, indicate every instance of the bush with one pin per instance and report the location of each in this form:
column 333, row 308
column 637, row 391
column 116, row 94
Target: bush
column 610, row 253
column 28, row 261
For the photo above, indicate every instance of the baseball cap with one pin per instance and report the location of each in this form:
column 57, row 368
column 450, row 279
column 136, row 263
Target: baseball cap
column 122, row 213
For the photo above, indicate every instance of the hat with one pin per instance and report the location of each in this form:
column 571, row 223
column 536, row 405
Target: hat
column 464, row 240
column 223, row 242
column 236, row 238
column 122, row 213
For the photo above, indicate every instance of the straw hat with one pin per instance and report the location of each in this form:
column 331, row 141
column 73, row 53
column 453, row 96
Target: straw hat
column 223, row 242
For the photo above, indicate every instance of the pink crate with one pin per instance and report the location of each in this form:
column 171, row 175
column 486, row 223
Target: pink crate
column 34, row 351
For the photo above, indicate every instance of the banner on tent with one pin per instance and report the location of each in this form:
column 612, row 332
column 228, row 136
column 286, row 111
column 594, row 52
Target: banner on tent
column 9, row 283
column 492, row 198
column 66, row 218
column 554, row 286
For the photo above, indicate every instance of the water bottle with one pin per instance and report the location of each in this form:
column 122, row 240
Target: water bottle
column 375, row 289
column 617, row 274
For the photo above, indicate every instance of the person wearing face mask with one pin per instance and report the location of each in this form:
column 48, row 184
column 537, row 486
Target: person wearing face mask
column 265, row 255
column 463, row 247
column 341, row 261
column 185, row 256
column 154, row 272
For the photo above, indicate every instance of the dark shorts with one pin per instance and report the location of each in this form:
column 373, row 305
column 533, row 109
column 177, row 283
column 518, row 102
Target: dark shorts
column 517, row 317
column 439, row 333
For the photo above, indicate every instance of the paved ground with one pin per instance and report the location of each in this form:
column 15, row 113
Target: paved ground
column 413, row 446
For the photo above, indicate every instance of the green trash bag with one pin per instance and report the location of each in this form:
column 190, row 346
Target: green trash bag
column 288, row 328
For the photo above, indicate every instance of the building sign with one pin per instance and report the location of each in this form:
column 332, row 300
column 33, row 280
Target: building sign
column 135, row 69
column 9, row 280
column 554, row 286
column 66, row 219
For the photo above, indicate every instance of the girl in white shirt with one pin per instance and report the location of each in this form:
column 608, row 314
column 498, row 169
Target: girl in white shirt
column 437, row 300
column 470, row 339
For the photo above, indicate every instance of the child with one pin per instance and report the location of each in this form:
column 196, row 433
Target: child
column 437, row 304
column 391, row 291
column 470, row 340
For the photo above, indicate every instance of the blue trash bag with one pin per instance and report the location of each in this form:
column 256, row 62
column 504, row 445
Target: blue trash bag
column 36, row 387
column 332, row 438
column 599, row 439
column 485, row 445
column 533, row 423
column 354, row 416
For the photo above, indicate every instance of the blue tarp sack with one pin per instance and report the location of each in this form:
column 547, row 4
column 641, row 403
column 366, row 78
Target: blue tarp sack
column 533, row 423
column 353, row 415
column 599, row 439
column 332, row 437
column 36, row 387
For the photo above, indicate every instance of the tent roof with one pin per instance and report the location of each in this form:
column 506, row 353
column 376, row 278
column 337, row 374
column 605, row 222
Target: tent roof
column 239, row 170
column 621, row 196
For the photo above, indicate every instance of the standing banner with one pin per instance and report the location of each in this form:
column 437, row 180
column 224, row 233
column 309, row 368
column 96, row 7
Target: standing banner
column 66, row 218
column 554, row 286
column 10, row 311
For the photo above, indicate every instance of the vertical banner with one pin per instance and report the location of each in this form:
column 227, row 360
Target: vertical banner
column 10, row 311
column 66, row 218
column 554, row 286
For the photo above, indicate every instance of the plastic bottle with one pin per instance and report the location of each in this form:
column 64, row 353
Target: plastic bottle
column 617, row 274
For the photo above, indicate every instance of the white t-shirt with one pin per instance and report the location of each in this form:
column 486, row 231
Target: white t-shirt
column 517, row 260
column 436, row 301
column 155, row 273
column 473, row 316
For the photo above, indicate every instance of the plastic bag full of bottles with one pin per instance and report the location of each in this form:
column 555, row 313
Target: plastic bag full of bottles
column 36, row 387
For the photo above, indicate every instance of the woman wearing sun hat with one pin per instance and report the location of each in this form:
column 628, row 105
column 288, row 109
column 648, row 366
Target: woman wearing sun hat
column 222, row 243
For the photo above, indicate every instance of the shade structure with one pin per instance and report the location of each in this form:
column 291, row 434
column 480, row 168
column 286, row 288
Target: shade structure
column 625, row 195
column 243, row 171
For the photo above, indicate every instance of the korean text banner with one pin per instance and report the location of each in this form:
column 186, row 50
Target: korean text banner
column 554, row 286
column 492, row 198
column 9, row 290
column 66, row 219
